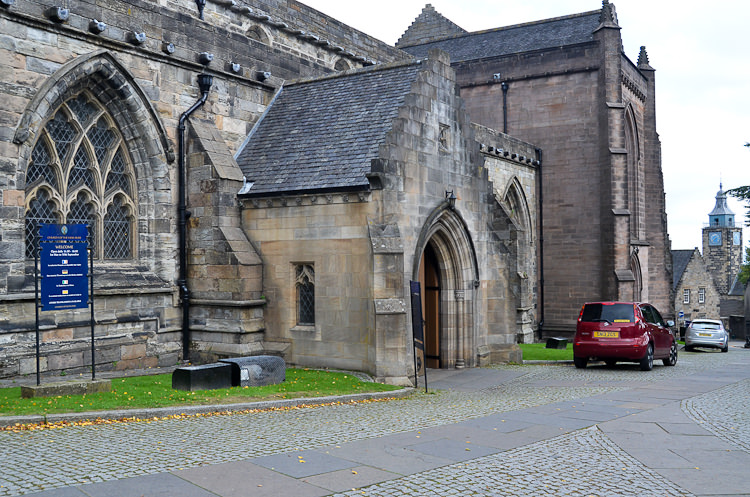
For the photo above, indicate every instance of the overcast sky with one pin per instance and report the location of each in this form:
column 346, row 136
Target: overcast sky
column 701, row 53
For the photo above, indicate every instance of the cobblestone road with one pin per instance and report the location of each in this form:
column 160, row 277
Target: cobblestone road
column 35, row 461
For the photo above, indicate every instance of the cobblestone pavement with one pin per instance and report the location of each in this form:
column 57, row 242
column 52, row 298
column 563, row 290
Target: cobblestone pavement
column 584, row 463
column 39, row 460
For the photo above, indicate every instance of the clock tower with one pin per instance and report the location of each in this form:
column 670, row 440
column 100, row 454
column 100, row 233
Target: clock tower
column 722, row 244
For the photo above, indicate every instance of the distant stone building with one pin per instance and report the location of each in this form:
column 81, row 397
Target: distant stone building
column 723, row 252
column 566, row 85
column 695, row 294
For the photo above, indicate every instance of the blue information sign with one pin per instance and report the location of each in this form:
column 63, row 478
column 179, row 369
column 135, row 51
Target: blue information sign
column 64, row 266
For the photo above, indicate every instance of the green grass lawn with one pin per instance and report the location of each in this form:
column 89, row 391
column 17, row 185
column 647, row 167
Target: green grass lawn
column 156, row 391
column 539, row 352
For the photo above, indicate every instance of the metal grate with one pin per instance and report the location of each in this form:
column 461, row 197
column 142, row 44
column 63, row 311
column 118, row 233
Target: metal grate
column 41, row 210
column 117, row 231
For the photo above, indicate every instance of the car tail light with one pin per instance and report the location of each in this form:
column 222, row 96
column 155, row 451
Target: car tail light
column 580, row 314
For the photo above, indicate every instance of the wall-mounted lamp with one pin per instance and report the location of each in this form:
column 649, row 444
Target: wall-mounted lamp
column 451, row 198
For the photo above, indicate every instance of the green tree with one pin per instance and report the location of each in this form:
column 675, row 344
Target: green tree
column 743, row 193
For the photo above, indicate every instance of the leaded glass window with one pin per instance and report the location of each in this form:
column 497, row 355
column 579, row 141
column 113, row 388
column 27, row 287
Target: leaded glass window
column 80, row 173
column 41, row 210
column 305, row 283
column 117, row 230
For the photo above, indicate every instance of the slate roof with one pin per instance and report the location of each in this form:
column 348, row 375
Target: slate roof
column 550, row 33
column 680, row 261
column 321, row 135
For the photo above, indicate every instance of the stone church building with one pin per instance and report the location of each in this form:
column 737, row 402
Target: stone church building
column 566, row 85
column 263, row 179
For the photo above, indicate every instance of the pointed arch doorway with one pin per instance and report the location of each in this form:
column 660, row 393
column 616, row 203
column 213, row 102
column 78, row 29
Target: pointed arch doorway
column 446, row 267
column 429, row 280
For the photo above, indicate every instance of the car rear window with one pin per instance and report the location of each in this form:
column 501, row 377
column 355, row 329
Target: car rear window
column 614, row 313
column 706, row 326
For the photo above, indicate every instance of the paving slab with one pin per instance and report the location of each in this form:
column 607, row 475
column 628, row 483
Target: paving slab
column 242, row 479
column 299, row 464
column 393, row 455
column 350, row 479
column 159, row 485
column 453, row 450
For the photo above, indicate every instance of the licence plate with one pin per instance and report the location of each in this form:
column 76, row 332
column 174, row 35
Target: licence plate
column 606, row 334
column 704, row 334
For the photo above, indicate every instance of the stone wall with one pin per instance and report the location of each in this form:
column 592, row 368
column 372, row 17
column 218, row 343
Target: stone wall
column 603, row 196
column 328, row 232
column 366, row 247
column 140, row 61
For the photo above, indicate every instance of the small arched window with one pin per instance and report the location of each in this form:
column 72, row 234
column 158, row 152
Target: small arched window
column 258, row 34
column 80, row 173
column 305, row 285
column 342, row 65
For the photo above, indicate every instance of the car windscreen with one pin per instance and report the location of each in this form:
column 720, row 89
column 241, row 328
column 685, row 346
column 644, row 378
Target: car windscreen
column 614, row 313
column 706, row 326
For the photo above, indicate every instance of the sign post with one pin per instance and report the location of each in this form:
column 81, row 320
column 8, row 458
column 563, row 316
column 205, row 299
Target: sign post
column 417, row 326
column 63, row 252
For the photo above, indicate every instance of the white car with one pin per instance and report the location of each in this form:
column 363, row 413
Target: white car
column 706, row 333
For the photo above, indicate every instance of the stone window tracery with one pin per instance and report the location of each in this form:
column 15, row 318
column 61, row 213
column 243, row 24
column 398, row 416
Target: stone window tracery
column 80, row 173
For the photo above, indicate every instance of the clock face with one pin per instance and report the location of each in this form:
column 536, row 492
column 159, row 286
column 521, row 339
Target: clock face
column 714, row 238
column 736, row 238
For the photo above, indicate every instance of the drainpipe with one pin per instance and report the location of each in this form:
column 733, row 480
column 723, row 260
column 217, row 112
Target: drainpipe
column 204, row 84
column 504, row 86
column 541, row 244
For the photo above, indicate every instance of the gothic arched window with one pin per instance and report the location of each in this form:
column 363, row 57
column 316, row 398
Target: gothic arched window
column 305, row 284
column 80, row 173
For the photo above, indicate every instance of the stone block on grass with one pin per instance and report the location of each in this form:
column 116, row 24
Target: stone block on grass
column 557, row 343
column 257, row 371
column 202, row 377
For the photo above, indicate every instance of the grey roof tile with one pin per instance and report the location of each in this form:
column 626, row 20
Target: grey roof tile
column 322, row 134
column 550, row 33
column 680, row 261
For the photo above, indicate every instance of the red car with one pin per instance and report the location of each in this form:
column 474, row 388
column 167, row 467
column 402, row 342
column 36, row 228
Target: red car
column 623, row 332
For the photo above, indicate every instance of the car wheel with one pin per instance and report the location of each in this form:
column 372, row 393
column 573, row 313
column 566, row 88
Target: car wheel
column 688, row 348
column 648, row 360
column 580, row 362
column 726, row 348
column 672, row 359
